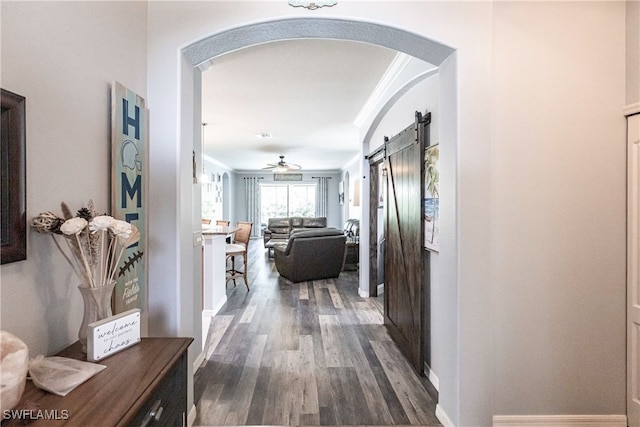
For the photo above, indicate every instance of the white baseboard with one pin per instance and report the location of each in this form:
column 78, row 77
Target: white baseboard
column 365, row 294
column 216, row 309
column 443, row 417
column 433, row 378
column 560, row 420
column 198, row 362
column 191, row 418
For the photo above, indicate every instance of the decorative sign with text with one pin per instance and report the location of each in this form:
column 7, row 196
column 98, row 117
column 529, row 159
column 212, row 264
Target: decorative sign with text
column 129, row 142
column 113, row 334
column 287, row 177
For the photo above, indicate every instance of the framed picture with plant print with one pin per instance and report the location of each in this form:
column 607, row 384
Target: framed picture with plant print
column 432, row 198
column 13, row 181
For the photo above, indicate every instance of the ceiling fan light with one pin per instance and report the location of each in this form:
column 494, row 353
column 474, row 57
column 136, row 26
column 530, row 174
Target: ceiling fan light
column 282, row 166
column 281, row 169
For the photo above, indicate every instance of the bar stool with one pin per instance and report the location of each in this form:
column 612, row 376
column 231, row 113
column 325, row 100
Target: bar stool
column 239, row 247
column 224, row 223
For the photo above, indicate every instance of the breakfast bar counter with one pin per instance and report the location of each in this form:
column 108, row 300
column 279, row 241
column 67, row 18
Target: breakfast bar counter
column 214, row 267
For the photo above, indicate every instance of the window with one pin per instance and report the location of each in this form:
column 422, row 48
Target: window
column 282, row 200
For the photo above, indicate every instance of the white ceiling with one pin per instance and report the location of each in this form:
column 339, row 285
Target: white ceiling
column 305, row 93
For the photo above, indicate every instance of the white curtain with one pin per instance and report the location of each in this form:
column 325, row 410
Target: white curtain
column 322, row 196
column 252, row 199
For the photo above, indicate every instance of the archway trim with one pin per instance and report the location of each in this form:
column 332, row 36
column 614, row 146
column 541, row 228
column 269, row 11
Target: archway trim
column 304, row 28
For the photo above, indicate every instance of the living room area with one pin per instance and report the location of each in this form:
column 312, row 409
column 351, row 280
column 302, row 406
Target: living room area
column 289, row 210
column 322, row 169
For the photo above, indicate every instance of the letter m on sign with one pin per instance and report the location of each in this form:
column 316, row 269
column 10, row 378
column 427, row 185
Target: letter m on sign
column 132, row 191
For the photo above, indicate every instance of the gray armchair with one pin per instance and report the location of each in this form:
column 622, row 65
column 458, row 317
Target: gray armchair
column 311, row 255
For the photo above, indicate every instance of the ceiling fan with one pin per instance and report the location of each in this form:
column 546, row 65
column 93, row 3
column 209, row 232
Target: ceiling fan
column 283, row 166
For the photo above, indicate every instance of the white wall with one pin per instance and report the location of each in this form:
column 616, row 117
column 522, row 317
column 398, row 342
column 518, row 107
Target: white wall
column 558, row 196
column 632, row 75
column 63, row 57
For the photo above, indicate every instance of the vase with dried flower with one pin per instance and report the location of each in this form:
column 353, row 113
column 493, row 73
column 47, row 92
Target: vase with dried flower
column 93, row 246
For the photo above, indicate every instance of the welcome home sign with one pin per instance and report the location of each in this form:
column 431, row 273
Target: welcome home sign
column 129, row 142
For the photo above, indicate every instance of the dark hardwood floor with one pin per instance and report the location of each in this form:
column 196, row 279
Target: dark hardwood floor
column 312, row 353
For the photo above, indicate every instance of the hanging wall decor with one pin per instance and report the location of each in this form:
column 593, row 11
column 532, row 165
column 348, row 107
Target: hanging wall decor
column 129, row 142
column 312, row 5
column 13, row 182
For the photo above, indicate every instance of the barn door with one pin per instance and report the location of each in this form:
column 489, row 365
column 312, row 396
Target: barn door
column 403, row 261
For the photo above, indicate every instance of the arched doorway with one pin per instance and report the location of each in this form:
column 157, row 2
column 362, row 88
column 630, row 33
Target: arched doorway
column 199, row 52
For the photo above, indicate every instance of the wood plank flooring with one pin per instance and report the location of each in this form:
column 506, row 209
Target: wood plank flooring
column 312, row 353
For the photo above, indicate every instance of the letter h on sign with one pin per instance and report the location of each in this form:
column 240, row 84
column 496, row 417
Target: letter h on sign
column 128, row 121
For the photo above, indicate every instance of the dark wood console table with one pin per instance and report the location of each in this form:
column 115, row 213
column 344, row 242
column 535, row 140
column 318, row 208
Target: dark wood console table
column 145, row 384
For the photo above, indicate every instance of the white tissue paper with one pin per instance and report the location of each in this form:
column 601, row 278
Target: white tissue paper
column 60, row 375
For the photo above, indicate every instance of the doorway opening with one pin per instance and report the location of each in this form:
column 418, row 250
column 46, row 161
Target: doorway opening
column 403, row 41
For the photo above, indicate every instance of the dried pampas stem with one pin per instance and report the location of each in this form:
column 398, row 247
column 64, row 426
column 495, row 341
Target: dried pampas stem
column 66, row 212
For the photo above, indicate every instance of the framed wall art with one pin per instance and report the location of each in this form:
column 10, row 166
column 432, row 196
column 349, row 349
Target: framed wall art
column 287, row 177
column 13, row 180
column 431, row 198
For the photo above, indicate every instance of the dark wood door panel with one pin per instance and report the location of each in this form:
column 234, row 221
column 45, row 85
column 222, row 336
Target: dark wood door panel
column 403, row 243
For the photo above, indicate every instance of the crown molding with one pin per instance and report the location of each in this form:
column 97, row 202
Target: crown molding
column 398, row 64
column 216, row 162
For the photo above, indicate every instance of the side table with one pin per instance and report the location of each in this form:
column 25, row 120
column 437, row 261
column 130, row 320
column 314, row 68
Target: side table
column 352, row 256
column 145, row 384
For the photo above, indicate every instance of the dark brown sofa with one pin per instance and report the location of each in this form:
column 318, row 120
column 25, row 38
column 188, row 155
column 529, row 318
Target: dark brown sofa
column 280, row 228
column 311, row 255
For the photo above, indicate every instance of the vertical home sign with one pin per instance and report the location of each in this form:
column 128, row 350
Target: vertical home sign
column 129, row 142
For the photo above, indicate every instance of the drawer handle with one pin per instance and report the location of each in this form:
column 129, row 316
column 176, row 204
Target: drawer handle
column 154, row 414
